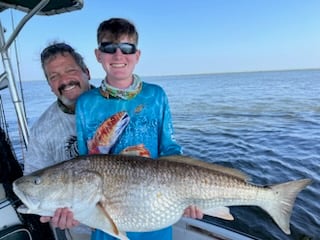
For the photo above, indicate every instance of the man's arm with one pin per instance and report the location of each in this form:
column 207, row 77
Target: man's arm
column 63, row 218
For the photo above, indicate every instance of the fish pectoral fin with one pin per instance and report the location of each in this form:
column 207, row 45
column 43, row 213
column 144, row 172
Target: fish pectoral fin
column 220, row 212
column 115, row 231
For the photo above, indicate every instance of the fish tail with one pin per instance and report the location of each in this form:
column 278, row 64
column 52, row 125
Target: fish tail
column 280, row 209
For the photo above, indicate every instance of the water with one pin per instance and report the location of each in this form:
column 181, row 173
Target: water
column 266, row 124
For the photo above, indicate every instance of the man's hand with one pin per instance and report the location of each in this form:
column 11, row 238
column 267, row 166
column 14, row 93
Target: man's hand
column 63, row 218
column 193, row 212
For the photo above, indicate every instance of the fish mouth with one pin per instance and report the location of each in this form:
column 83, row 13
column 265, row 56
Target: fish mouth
column 29, row 203
column 23, row 209
column 121, row 122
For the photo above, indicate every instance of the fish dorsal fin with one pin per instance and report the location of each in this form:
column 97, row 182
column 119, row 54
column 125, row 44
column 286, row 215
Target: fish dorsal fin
column 200, row 163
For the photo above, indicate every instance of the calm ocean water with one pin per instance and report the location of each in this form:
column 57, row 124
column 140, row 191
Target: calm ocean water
column 266, row 124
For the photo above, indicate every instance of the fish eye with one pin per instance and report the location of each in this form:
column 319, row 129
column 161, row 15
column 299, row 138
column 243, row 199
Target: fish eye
column 37, row 180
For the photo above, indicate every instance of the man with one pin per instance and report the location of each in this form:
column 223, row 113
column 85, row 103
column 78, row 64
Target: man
column 53, row 135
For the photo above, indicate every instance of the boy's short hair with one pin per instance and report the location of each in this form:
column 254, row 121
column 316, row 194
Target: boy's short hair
column 115, row 28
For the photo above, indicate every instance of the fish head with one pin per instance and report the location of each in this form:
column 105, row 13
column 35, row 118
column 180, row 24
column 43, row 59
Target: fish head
column 43, row 191
column 38, row 192
column 108, row 133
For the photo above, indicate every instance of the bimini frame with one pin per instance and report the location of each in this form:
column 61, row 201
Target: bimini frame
column 31, row 7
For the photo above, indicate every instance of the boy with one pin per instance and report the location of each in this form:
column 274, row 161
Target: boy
column 150, row 123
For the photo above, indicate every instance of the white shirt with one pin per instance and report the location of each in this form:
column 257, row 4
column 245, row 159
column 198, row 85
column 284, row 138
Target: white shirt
column 52, row 139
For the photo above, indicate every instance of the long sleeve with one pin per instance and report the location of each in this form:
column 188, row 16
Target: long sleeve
column 80, row 128
column 167, row 145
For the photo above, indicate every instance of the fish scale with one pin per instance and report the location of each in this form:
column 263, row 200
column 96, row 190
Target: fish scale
column 157, row 202
column 118, row 193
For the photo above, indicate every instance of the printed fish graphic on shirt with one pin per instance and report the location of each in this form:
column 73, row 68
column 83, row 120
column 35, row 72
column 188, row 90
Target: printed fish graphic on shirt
column 108, row 133
column 137, row 150
column 120, row 193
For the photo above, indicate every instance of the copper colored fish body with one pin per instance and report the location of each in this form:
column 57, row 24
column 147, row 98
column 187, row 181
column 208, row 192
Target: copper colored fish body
column 118, row 193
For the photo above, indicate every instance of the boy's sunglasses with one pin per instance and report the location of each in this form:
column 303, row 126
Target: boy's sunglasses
column 109, row 47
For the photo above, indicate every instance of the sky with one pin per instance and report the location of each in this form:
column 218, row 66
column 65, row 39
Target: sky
column 183, row 37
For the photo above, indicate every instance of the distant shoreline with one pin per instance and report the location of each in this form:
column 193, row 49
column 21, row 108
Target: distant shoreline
column 205, row 74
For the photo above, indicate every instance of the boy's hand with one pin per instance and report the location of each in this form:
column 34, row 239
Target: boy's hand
column 193, row 212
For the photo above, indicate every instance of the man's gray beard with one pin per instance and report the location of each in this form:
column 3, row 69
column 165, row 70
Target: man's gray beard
column 67, row 102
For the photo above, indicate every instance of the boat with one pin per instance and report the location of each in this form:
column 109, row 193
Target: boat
column 26, row 227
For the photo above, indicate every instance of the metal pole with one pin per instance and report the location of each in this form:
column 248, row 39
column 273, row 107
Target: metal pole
column 4, row 46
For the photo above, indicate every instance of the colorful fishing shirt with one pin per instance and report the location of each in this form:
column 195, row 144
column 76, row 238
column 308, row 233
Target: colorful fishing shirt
column 150, row 124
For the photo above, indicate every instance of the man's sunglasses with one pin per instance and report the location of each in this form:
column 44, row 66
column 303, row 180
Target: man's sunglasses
column 109, row 47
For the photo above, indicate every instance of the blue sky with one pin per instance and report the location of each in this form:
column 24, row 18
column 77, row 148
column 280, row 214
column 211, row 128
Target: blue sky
column 185, row 37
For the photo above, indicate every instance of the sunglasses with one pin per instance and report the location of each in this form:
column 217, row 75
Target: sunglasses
column 109, row 47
